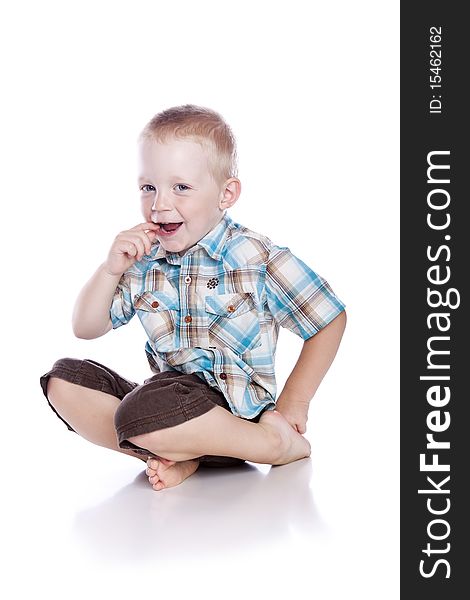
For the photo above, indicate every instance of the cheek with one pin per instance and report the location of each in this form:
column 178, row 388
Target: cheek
column 146, row 205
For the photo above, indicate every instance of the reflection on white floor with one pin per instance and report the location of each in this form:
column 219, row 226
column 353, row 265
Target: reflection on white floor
column 84, row 521
column 216, row 510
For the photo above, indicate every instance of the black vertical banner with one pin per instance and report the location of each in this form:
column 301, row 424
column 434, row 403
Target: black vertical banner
column 435, row 333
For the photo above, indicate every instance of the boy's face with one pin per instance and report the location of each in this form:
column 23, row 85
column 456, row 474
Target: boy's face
column 176, row 187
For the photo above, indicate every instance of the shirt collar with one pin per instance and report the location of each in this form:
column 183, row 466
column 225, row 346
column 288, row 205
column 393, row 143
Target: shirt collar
column 213, row 243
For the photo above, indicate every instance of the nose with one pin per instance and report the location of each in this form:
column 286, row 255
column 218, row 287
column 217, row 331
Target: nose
column 161, row 202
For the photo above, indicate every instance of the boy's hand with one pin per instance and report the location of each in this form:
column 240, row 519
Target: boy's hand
column 130, row 246
column 294, row 411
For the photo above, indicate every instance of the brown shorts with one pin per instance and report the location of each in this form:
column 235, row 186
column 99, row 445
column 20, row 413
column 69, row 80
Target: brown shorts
column 164, row 400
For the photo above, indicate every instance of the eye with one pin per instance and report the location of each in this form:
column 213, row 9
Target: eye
column 142, row 188
column 181, row 185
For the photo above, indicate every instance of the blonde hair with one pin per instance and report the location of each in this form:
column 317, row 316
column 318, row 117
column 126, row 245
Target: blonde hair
column 202, row 125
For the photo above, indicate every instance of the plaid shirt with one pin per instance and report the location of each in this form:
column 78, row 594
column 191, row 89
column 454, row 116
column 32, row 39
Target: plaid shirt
column 216, row 311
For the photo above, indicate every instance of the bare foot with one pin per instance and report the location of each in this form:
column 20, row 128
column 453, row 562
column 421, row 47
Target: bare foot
column 293, row 445
column 164, row 473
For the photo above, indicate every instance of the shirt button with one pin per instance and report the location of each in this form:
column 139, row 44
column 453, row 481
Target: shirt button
column 188, row 319
column 230, row 308
column 223, row 376
column 155, row 304
column 187, row 279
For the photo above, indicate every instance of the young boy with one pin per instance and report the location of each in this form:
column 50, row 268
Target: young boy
column 211, row 295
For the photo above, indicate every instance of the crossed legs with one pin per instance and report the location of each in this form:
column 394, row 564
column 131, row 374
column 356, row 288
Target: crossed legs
column 217, row 432
column 91, row 413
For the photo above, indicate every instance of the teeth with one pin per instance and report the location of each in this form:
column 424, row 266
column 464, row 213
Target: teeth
column 174, row 226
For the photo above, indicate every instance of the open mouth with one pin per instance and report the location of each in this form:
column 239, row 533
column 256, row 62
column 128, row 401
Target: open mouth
column 169, row 228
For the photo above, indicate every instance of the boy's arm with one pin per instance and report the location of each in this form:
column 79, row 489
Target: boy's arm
column 91, row 315
column 91, row 318
column 314, row 361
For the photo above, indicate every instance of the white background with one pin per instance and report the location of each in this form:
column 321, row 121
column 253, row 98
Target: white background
column 310, row 90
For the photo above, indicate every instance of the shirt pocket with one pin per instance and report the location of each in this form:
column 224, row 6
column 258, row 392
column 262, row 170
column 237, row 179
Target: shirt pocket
column 158, row 313
column 233, row 321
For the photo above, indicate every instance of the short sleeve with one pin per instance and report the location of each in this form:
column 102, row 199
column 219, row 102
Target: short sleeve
column 298, row 298
column 122, row 310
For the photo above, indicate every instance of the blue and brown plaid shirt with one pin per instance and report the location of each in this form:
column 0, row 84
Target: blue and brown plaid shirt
column 216, row 311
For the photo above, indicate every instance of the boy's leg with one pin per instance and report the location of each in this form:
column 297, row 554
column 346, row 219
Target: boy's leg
column 178, row 416
column 85, row 394
column 89, row 412
column 88, row 397
column 217, row 432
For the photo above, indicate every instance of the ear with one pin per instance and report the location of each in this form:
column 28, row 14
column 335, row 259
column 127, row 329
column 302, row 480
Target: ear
column 231, row 190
